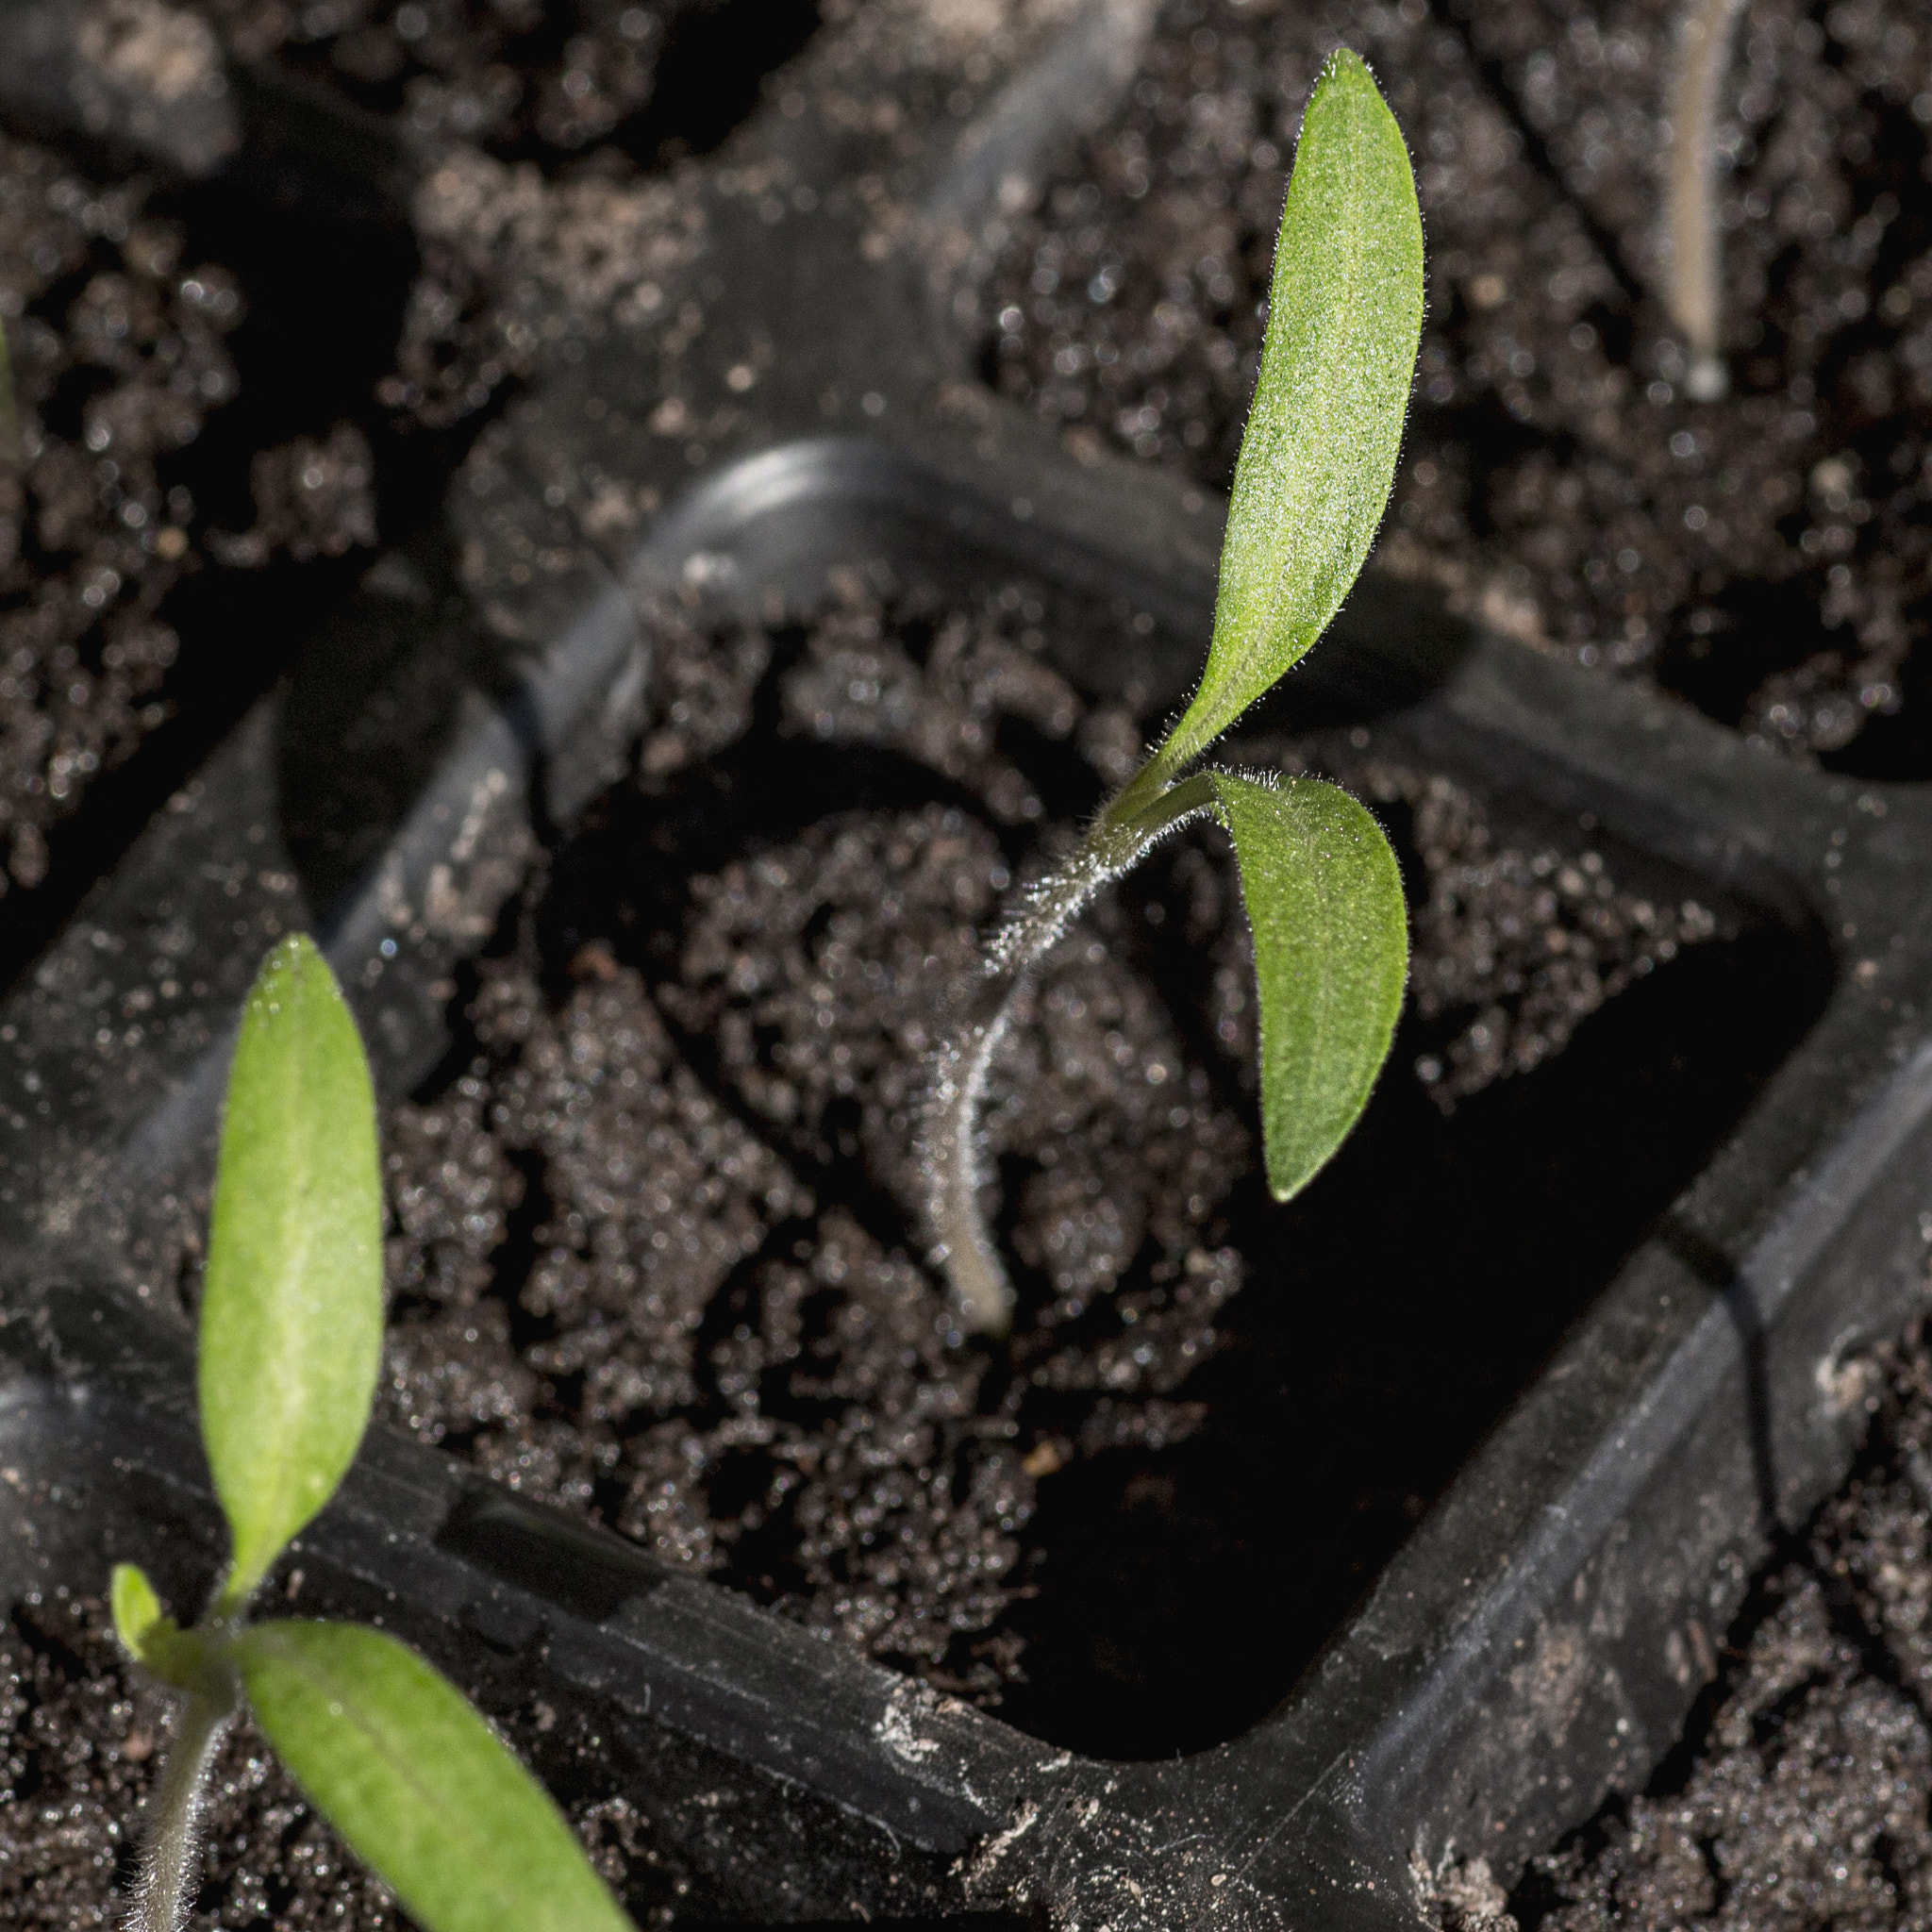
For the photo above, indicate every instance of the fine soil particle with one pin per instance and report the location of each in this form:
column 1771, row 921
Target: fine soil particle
column 1803, row 1800
column 656, row 1248
column 509, row 257
column 602, row 85
column 1764, row 554
column 81, row 1740
column 509, row 75
column 541, row 117
column 118, row 359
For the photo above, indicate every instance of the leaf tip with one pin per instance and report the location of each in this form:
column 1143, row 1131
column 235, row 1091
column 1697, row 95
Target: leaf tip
column 291, row 963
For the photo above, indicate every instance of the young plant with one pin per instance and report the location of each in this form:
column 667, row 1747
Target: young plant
column 1703, row 61
column 1322, row 888
column 291, row 1342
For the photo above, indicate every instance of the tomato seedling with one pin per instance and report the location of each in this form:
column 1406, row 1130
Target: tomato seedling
column 1322, row 892
column 290, row 1343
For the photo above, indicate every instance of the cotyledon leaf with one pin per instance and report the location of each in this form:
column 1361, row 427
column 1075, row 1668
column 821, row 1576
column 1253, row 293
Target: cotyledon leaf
column 137, row 1613
column 292, row 1305
column 1324, row 899
column 418, row 1784
column 150, row 1636
column 1317, row 457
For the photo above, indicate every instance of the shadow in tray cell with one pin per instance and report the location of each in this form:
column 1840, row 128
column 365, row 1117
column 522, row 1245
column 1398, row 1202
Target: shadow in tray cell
column 1393, row 1313
column 240, row 499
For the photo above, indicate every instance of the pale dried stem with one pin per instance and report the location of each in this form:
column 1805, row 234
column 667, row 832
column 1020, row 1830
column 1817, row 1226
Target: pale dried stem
column 1704, row 59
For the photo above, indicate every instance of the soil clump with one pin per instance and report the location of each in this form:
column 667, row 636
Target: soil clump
column 517, row 76
column 1764, row 554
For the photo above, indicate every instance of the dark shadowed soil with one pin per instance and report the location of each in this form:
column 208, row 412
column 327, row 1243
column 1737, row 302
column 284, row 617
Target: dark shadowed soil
column 195, row 476
column 196, row 460
column 80, row 1744
column 1765, row 556
column 545, row 80
column 550, row 134
column 557, row 77
column 656, row 1252
column 1803, row 1794
column 119, row 342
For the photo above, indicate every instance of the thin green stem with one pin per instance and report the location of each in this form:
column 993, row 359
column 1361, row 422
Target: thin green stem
column 952, row 1156
column 227, row 1609
column 1168, row 812
column 171, row 1850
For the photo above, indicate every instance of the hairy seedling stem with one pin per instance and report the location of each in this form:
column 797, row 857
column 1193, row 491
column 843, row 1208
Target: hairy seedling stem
column 170, row 1849
column 953, row 1154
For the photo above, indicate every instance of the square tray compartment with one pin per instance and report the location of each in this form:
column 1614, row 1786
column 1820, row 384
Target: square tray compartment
column 1533, row 1641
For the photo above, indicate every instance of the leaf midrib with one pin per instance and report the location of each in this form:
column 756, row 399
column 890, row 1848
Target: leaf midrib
column 1332, row 351
column 454, row 1821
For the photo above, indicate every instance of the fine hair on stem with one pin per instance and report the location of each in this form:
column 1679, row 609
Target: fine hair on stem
column 170, row 1845
column 953, row 1154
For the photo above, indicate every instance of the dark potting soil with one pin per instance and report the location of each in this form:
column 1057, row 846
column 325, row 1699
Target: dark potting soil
column 1764, row 556
column 655, row 1250
column 508, row 258
column 82, row 1739
column 1802, row 1795
column 118, row 345
column 193, row 478
column 545, row 80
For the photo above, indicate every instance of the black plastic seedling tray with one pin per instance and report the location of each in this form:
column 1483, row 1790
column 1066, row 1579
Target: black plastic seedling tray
column 1541, row 1635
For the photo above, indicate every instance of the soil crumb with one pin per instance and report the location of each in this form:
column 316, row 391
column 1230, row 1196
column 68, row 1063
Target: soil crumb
column 656, row 1247
column 1763, row 554
column 1805, row 1801
column 81, row 1740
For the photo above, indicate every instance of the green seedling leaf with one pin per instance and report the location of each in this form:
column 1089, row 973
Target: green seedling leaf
column 1318, row 459
column 149, row 1634
column 418, row 1784
column 137, row 1613
column 292, row 1307
column 144, row 1627
column 1331, row 955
